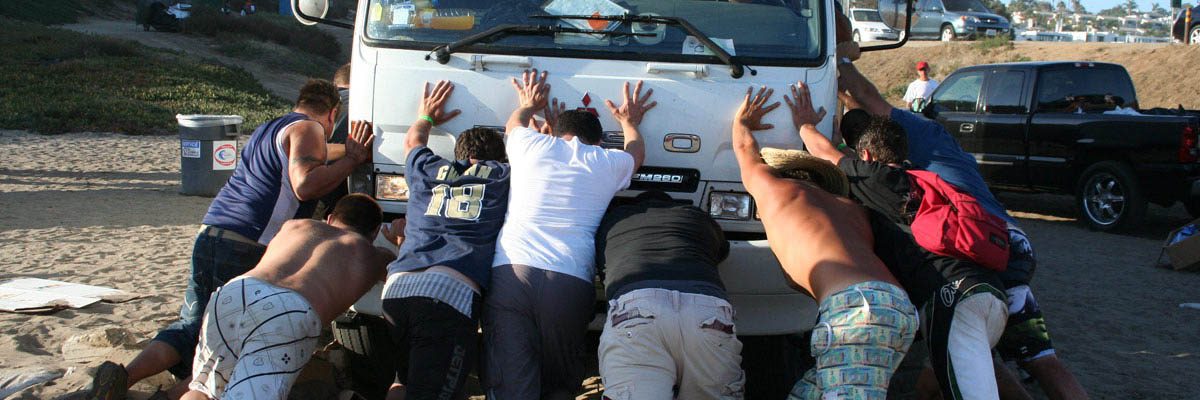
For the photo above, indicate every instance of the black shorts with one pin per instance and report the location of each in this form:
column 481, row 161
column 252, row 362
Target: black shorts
column 437, row 347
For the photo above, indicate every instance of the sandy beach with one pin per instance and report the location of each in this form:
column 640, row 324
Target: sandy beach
column 104, row 209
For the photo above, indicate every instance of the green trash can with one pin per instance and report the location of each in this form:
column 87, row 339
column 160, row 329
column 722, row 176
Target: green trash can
column 208, row 152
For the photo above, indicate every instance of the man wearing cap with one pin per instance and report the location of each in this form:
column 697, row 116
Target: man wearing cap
column 283, row 163
column 921, row 90
column 865, row 321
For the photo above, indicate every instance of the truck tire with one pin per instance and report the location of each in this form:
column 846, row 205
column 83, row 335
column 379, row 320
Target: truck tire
column 369, row 347
column 773, row 364
column 1109, row 197
column 948, row 33
column 1194, row 35
column 857, row 37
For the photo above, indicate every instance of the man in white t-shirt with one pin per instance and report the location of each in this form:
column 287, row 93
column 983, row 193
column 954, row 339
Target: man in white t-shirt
column 921, row 90
column 542, row 294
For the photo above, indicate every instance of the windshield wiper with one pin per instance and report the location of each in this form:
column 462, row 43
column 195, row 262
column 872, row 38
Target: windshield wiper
column 735, row 67
column 442, row 53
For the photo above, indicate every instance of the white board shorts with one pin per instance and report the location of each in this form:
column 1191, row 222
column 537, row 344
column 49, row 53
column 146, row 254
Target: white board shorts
column 255, row 340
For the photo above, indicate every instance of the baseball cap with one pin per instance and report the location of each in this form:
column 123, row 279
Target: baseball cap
column 922, row 65
column 799, row 164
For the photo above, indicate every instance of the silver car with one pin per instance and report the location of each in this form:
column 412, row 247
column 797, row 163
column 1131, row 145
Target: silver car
column 947, row 19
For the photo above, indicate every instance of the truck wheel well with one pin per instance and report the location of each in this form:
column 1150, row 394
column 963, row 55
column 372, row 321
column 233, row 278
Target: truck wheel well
column 1086, row 160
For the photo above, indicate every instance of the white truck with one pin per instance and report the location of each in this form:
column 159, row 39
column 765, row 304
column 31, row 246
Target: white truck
column 698, row 56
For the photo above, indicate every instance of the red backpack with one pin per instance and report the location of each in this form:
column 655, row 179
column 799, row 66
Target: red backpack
column 951, row 223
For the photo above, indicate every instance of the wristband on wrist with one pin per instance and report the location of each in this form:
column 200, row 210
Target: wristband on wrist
column 428, row 118
column 842, row 146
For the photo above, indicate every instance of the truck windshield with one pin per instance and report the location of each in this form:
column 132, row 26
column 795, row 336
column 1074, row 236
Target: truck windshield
column 758, row 32
column 966, row 5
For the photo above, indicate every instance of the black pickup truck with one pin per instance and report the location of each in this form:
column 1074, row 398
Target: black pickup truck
column 1073, row 128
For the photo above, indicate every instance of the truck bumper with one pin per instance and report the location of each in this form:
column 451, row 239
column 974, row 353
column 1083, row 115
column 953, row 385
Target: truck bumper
column 757, row 287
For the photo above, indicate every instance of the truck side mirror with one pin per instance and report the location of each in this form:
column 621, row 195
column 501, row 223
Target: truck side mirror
column 897, row 16
column 930, row 110
column 312, row 12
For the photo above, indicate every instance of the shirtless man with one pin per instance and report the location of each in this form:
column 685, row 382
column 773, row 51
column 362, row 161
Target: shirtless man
column 825, row 246
column 260, row 328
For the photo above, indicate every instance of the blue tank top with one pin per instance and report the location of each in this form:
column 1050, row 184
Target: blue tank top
column 455, row 211
column 258, row 198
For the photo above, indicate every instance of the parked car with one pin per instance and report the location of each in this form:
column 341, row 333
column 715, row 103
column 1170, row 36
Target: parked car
column 1073, row 128
column 868, row 26
column 949, row 19
column 1191, row 33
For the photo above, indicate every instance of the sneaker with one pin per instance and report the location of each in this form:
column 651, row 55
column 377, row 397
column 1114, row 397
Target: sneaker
column 110, row 383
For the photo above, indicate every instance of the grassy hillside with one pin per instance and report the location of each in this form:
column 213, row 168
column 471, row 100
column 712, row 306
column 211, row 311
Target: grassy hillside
column 59, row 81
column 49, row 12
column 1164, row 76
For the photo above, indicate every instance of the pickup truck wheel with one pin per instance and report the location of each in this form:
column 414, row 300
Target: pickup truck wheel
column 857, row 37
column 369, row 349
column 1194, row 35
column 947, row 33
column 1109, row 197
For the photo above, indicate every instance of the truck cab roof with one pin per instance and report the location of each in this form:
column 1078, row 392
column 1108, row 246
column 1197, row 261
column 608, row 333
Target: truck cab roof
column 1041, row 65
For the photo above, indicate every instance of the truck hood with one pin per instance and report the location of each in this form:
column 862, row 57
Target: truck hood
column 688, row 105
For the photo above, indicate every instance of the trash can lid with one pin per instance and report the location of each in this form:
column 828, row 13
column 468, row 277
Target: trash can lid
column 205, row 121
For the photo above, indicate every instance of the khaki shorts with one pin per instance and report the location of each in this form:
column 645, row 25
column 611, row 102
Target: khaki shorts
column 657, row 339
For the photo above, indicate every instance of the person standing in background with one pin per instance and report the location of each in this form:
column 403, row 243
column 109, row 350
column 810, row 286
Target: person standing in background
column 921, row 90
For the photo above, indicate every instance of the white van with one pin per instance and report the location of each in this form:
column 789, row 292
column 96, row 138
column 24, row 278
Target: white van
column 698, row 84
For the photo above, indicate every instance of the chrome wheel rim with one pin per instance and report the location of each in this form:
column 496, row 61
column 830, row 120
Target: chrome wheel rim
column 1194, row 37
column 1104, row 199
column 947, row 35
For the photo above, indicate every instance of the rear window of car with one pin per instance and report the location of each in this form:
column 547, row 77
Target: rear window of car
column 1084, row 89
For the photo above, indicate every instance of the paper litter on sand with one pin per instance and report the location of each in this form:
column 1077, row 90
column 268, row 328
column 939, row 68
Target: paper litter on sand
column 33, row 295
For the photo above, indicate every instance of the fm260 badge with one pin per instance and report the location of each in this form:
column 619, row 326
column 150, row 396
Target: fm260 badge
column 224, row 155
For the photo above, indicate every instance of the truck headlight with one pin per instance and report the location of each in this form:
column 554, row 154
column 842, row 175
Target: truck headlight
column 391, row 187
column 729, row 205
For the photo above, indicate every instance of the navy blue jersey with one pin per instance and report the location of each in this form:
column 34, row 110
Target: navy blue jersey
column 455, row 211
column 258, row 198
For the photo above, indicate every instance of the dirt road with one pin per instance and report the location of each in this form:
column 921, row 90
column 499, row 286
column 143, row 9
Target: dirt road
column 281, row 84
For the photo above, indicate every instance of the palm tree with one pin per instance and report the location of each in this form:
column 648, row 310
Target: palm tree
column 1131, row 6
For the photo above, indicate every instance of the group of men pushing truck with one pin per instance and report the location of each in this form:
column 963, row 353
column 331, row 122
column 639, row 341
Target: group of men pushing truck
column 509, row 234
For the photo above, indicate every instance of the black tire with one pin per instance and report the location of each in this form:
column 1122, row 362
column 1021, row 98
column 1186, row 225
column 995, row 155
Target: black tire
column 773, row 364
column 857, row 37
column 369, row 347
column 947, row 33
column 1109, row 197
column 1194, row 35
